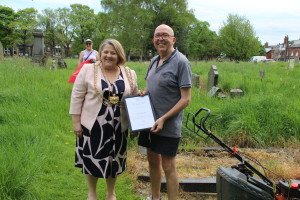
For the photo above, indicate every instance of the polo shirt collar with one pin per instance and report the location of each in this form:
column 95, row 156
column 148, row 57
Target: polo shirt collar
column 170, row 57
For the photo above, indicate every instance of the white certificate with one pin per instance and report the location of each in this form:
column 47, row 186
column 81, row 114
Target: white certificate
column 140, row 112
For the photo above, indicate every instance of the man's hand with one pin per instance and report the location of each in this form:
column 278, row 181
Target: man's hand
column 158, row 125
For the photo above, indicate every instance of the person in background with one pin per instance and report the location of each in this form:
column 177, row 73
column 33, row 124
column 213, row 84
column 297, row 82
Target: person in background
column 99, row 116
column 169, row 84
column 88, row 53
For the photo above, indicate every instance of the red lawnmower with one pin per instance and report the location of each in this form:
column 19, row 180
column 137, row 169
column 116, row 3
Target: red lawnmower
column 239, row 182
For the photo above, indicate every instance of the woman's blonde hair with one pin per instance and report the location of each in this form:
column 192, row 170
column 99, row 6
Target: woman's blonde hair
column 118, row 47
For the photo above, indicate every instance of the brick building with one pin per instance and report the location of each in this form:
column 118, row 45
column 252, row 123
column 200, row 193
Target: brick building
column 284, row 51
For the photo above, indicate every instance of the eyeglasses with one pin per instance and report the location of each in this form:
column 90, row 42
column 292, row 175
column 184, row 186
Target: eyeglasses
column 163, row 36
column 88, row 44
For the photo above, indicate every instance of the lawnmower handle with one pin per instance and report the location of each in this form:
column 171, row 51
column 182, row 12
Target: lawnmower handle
column 202, row 125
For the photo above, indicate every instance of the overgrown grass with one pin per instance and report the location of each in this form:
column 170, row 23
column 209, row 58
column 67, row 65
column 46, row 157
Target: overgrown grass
column 36, row 139
column 37, row 144
column 268, row 113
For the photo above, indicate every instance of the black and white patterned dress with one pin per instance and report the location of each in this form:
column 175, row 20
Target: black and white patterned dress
column 102, row 152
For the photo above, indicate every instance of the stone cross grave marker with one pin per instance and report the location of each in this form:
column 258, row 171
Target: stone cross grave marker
column 262, row 74
column 38, row 46
column 292, row 62
column 213, row 76
column 1, row 51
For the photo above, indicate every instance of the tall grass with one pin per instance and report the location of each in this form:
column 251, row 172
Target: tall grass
column 36, row 139
column 37, row 143
column 267, row 114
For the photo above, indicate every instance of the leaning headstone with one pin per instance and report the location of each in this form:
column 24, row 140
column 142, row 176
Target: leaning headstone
column 1, row 51
column 292, row 62
column 38, row 46
column 236, row 93
column 60, row 62
column 196, row 80
column 213, row 76
column 213, row 92
column 296, row 59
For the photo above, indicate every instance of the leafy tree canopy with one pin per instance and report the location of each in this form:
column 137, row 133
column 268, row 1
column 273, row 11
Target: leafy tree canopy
column 238, row 40
column 202, row 42
column 7, row 18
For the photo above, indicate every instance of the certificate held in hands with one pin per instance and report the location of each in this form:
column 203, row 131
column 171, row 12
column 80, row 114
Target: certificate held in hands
column 140, row 112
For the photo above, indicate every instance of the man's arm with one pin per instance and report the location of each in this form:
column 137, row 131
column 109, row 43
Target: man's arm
column 179, row 106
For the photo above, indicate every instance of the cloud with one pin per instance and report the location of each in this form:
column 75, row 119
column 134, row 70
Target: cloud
column 272, row 20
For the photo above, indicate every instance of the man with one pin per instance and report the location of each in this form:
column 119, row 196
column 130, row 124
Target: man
column 169, row 84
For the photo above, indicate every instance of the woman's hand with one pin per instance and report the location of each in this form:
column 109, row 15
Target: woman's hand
column 77, row 125
column 78, row 133
column 142, row 92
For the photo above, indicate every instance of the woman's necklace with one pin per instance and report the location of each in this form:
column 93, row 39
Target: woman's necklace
column 111, row 99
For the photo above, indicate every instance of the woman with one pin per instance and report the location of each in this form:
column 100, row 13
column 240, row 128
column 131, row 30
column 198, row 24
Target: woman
column 88, row 53
column 99, row 117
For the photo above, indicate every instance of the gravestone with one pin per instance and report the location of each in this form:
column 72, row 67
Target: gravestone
column 196, row 80
column 292, row 62
column 38, row 46
column 58, row 62
column 213, row 92
column 296, row 59
column 236, row 93
column 53, row 65
column 1, row 51
column 213, row 76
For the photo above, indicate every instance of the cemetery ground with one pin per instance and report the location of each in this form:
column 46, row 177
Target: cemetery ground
column 37, row 142
column 282, row 165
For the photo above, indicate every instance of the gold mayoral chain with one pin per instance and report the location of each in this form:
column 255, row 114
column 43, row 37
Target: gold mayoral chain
column 111, row 99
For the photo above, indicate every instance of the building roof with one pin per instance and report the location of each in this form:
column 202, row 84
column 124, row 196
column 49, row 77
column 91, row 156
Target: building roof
column 295, row 43
column 268, row 49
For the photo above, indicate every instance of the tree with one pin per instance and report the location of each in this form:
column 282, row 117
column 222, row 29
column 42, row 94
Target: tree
column 65, row 28
column 262, row 50
column 103, row 27
column 83, row 19
column 134, row 22
column 175, row 14
column 7, row 19
column 202, row 42
column 48, row 21
column 237, row 37
column 25, row 24
column 129, row 21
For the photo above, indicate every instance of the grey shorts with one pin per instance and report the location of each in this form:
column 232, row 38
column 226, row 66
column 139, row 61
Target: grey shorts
column 159, row 144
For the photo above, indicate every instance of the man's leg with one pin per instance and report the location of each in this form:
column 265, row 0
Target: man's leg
column 154, row 161
column 111, row 182
column 169, row 167
column 92, row 184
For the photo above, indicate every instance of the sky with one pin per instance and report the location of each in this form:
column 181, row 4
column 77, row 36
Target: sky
column 272, row 20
